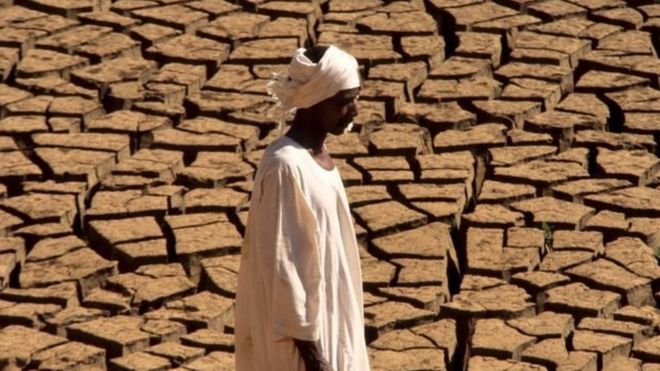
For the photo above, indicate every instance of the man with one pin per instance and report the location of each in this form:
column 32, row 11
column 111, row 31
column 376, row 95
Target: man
column 299, row 297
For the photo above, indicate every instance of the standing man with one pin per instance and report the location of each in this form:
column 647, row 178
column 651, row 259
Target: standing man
column 299, row 297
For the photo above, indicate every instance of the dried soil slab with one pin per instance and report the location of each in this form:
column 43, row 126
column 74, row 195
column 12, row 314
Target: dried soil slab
column 614, row 141
column 275, row 50
column 431, row 241
column 578, row 360
column 109, row 301
column 602, row 81
column 574, row 48
column 119, row 335
column 632, row 330
column 507, row 156
column 640, row 99
column 220, row 275
column 158, row 164
column 77, row 165
column 637, row 166
column 16, row 166
column 545, row 325
column 27, row 314
column 20, row 344
column 175, row 16
column 458, row 90
column 176, row 353
column 370, row 49
column 43, row 208
column 529, row 89
column 41, row 62
column 384, row 217
column 100, row 76
column 365, row 194
column 578, row 240
column 623, row 62
column 405, row 23
column 480, row 45
column 222, row 361
column 118, row 22
column 429, row 49
column 421, row 272
column 215, row 169
column 607, row 346
column 192, row 77
column 437, row 117
column 649, row 350
column 465, row 17
column 235, row 78
column 192, row 142
column 549, row 353
column 636, row 201
column 107, row 234
column 558, row 261
column 150, row 34
column 286, row 27
column 410, row 73
column 418, row 359
column 494, row 192
column 609, row 223
column 69, row 40
column 219, row 199
column 376, row 273
column 82, row 266
column 586, row 104
column 555, row 212
column 511, row 113
column 384, row 317
column 493, row 216
column 635, row 256
column 603, row 274
column 479, row 363
column 70, row 355
column 643, row 123
column 401, row 340
column 346, row 146
column 215, row 104
column 205, row 125
column 503, row 301
column 111, row 143
column 209, row 340
column 561, row 125
column 580, row 301
column 149, row 292
column 400, row 139
column 576, row 190
column 556, row 74
column 140, row 361
column 200, row 236
column 492, row 337
column 213, row 7
column 461, row 68
column 192, row 50
column 202, row 310
column 480, row 136
column 234, row 27
column 135, row 124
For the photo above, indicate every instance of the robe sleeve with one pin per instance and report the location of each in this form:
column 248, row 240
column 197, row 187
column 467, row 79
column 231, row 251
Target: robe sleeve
column 296, row 268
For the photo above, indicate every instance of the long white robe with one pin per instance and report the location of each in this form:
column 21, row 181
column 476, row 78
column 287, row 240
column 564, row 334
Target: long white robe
column 300, row 271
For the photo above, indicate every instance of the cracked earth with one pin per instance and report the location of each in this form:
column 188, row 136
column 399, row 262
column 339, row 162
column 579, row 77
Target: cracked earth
column 503, row 175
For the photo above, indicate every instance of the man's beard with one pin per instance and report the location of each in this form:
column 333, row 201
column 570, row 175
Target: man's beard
column 348, row 128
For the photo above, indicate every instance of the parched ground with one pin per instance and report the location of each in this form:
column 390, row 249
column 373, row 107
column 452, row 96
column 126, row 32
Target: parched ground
column 503, row 175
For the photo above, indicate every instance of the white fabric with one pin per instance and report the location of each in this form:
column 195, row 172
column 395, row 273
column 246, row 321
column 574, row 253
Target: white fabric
column 300, row 271
column 308, row 83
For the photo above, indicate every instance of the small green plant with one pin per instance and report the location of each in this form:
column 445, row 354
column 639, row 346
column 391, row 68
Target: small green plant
column 547, row 238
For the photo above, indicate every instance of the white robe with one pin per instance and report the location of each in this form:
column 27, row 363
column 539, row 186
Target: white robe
column 300, row 270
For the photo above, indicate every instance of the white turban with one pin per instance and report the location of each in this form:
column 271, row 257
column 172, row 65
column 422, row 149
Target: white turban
column 308, row 83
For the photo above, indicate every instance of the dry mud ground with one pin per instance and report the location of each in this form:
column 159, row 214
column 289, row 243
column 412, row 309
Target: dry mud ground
column 503, row 176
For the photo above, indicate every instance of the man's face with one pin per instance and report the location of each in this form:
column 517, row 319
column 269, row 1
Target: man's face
column 337, row 112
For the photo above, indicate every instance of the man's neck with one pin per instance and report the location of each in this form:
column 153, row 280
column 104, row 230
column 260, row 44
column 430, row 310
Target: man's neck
column 307, row 135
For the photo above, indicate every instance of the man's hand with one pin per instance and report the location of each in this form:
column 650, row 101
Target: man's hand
column 311, row 354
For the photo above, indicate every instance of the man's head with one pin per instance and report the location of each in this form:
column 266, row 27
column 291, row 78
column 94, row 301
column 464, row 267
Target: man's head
column 322, row 84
